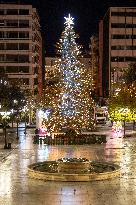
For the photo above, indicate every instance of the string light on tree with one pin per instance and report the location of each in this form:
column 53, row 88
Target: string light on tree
column 75, row 101
column 68, row 95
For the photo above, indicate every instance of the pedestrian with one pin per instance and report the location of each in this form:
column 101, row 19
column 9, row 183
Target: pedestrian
column 74, row 191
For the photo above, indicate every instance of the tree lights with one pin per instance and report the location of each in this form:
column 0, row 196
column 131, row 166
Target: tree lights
column 69, row 97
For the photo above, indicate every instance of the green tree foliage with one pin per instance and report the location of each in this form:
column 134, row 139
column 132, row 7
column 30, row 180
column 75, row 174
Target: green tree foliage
column 130, row 74
column 122, row 105
column 11, row 97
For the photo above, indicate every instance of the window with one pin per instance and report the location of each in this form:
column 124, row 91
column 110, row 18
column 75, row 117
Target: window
column 12, row 69
column 117, row 36
column 12, row 46
column 118, row 25
column 23, row 23
column 17, row 69
column 12, row 23
column 122, row 25
column 117, row 47
column 12, row 12
column 2, row 69
column 24, row 46
column 1, row 11
column 2, row 58
column 123, row 59
column 23, row 58
column 123, row 47
column 1, row 34
column 11, row 34
column 23, row 12
column 123, row 14
column 1, row 46
column 130, row 59
column 131, row 47
column 1, row 23
column 23, row 69
column 12, row 58
column 23, row 34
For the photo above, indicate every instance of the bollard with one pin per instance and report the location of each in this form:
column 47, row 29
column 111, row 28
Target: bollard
column 9, row 145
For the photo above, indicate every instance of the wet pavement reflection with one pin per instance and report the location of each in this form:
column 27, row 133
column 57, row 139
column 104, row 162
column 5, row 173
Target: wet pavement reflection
column 17, row 189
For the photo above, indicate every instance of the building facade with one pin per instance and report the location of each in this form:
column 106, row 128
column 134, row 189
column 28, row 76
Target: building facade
column 117, row 37
column 21, row 46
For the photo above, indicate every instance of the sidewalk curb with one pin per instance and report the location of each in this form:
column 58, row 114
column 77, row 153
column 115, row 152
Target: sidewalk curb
column 9, row 153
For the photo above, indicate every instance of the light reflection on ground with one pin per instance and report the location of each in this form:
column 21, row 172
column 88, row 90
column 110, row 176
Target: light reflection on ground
column 17, row 189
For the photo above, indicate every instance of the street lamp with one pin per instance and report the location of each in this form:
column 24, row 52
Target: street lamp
column 17, row 119
column 124, row 114
column 5, row 118
column 24, row 110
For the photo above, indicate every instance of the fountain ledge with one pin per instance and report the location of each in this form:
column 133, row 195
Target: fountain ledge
column 46, row 176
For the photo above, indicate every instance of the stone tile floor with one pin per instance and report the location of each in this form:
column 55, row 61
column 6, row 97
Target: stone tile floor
column 17, row 189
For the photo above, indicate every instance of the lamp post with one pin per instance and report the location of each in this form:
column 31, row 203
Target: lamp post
column 24, row 110
column 12, row 111
column 17, row 120
column 124, row 115
column 17, row 129
column 5, row 117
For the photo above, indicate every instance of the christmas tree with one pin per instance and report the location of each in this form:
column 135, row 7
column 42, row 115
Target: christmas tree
column 50, row 101
column 67, row 92
column 75, row 99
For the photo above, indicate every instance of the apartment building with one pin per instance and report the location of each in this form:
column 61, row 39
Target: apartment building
column 21, row 46
column 117, row 39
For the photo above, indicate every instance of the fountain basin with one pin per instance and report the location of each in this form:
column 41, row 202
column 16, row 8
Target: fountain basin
column 56, row 171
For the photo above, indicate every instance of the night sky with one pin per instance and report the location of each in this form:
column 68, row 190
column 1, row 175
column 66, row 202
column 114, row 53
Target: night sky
column 87, row 14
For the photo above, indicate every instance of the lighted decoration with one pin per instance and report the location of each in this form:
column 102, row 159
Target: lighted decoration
column 69, row 97
column 75, row 100
column 43, row 132
column 42, row 115
column 5, row 114
column 117, row 127
column 69, row 21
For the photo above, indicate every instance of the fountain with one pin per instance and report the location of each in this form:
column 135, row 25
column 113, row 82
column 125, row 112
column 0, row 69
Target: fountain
column 73, row 169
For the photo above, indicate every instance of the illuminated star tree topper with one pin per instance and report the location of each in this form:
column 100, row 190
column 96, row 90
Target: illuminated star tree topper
column 69, row 21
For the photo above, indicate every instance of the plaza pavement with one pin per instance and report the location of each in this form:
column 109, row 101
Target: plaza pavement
column 16, row 188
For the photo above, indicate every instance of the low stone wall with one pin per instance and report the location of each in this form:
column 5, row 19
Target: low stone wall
column 45, row 176
column 63, row 140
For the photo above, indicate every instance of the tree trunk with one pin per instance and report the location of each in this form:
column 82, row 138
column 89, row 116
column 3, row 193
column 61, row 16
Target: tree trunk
column 134, row 124
column 124, row 128
column 5, row 137
column 17, row 130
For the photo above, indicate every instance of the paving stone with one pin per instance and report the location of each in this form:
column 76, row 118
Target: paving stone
column 16, row 188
